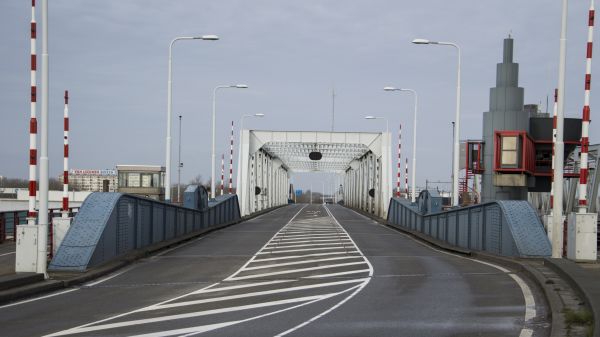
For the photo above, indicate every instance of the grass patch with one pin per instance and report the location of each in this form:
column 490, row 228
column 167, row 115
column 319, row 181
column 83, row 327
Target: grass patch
column 581, row 317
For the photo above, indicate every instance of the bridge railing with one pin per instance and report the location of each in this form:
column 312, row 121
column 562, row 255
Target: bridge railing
column 9, row 220
column 507, row 228
column 110, row 225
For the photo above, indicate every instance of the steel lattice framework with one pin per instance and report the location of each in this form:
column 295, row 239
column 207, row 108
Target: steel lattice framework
column 336, row 156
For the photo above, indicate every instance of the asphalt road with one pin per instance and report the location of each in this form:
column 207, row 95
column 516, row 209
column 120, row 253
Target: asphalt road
column 302, row 270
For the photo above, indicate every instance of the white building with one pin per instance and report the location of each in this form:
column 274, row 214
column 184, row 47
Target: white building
column 92, row 180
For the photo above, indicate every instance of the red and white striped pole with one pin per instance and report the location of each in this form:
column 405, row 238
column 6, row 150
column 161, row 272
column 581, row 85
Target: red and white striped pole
column 222, row 172
column 554, row 113
column 406, row 178
column 32, row 213
column 585, row 122
column 231, row 161
column 399, row 161
column 65, row 199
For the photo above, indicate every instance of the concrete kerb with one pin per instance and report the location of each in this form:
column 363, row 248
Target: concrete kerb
column 59, row 280
column 578, row 279
column 516, row 265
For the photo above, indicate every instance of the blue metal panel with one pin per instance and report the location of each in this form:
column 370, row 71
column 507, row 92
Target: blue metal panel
column 112, row 224
column 508, row 228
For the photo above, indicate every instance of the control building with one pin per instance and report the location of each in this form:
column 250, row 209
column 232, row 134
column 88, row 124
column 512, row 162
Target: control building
column 92, row 180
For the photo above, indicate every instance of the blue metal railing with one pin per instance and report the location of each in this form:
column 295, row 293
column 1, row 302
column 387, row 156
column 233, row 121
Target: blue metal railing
column 508, row 228
column 110, row 225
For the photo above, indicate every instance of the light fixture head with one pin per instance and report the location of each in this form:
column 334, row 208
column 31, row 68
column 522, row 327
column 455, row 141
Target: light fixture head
column 370, row 117
column 389, row 89
column 421, row 41
column 241, row 86
column 207, row 37
column 259, row 115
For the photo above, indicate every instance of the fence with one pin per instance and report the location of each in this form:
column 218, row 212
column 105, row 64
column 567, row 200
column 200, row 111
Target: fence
column 508, row 228
column 10, row 219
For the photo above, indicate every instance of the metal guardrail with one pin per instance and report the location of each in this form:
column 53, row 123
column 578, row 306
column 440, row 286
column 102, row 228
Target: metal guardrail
column 507, row 228
column 10, row 219
column 110, row 225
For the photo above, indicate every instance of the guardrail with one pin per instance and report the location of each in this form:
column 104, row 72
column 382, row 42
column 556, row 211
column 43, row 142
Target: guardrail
column 507, row 228
column 110, row 225
column 10, row 219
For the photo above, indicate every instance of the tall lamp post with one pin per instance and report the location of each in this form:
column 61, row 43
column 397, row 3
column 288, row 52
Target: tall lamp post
column 414, row 150
column 212, row 152
column 169, row 106
column 179, row 166
column 239, row 164
column 387, row 123
column 456, row 160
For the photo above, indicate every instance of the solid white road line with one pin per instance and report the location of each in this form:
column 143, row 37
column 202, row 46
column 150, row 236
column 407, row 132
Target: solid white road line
column 254, row 294
column 201, row 328
column 305, row 255
column 186, row 315
column 254, row 256
column 241, row 286
column 11, row 253
column 298, row 250
column 307, row 241
column 345, row 299
column 297, row 270
column 530, row 305
column 39, row 298
column 339, row 274
column 285, row 246
column 302, row 262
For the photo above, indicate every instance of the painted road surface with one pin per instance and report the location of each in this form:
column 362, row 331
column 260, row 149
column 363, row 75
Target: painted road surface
column 302, row 270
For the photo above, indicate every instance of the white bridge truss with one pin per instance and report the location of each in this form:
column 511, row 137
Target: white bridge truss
column 361, row 159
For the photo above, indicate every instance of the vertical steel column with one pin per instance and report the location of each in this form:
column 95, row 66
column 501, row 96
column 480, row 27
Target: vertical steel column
column 557, row 214
column 65, row 196
column 42, row 256
column 553, row 146
column 399, row 161
column 32, row 213
column 231, row 161
column 222, row 173
column 585, row 121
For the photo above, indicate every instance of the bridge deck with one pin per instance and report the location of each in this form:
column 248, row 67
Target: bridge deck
column 302, row 270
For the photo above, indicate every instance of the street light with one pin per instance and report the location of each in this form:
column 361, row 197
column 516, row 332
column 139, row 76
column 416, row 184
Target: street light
column 169, row 106
column 414, row 150
column 456, row 154
column 387, row 124
column 239, row 163
column 214, row 112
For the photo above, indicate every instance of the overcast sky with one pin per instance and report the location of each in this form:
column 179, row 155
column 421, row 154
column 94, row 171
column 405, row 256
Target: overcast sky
column 112, row 57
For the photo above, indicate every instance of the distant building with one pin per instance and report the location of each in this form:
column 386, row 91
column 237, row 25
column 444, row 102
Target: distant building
column 92, row 180
column 143, row 180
